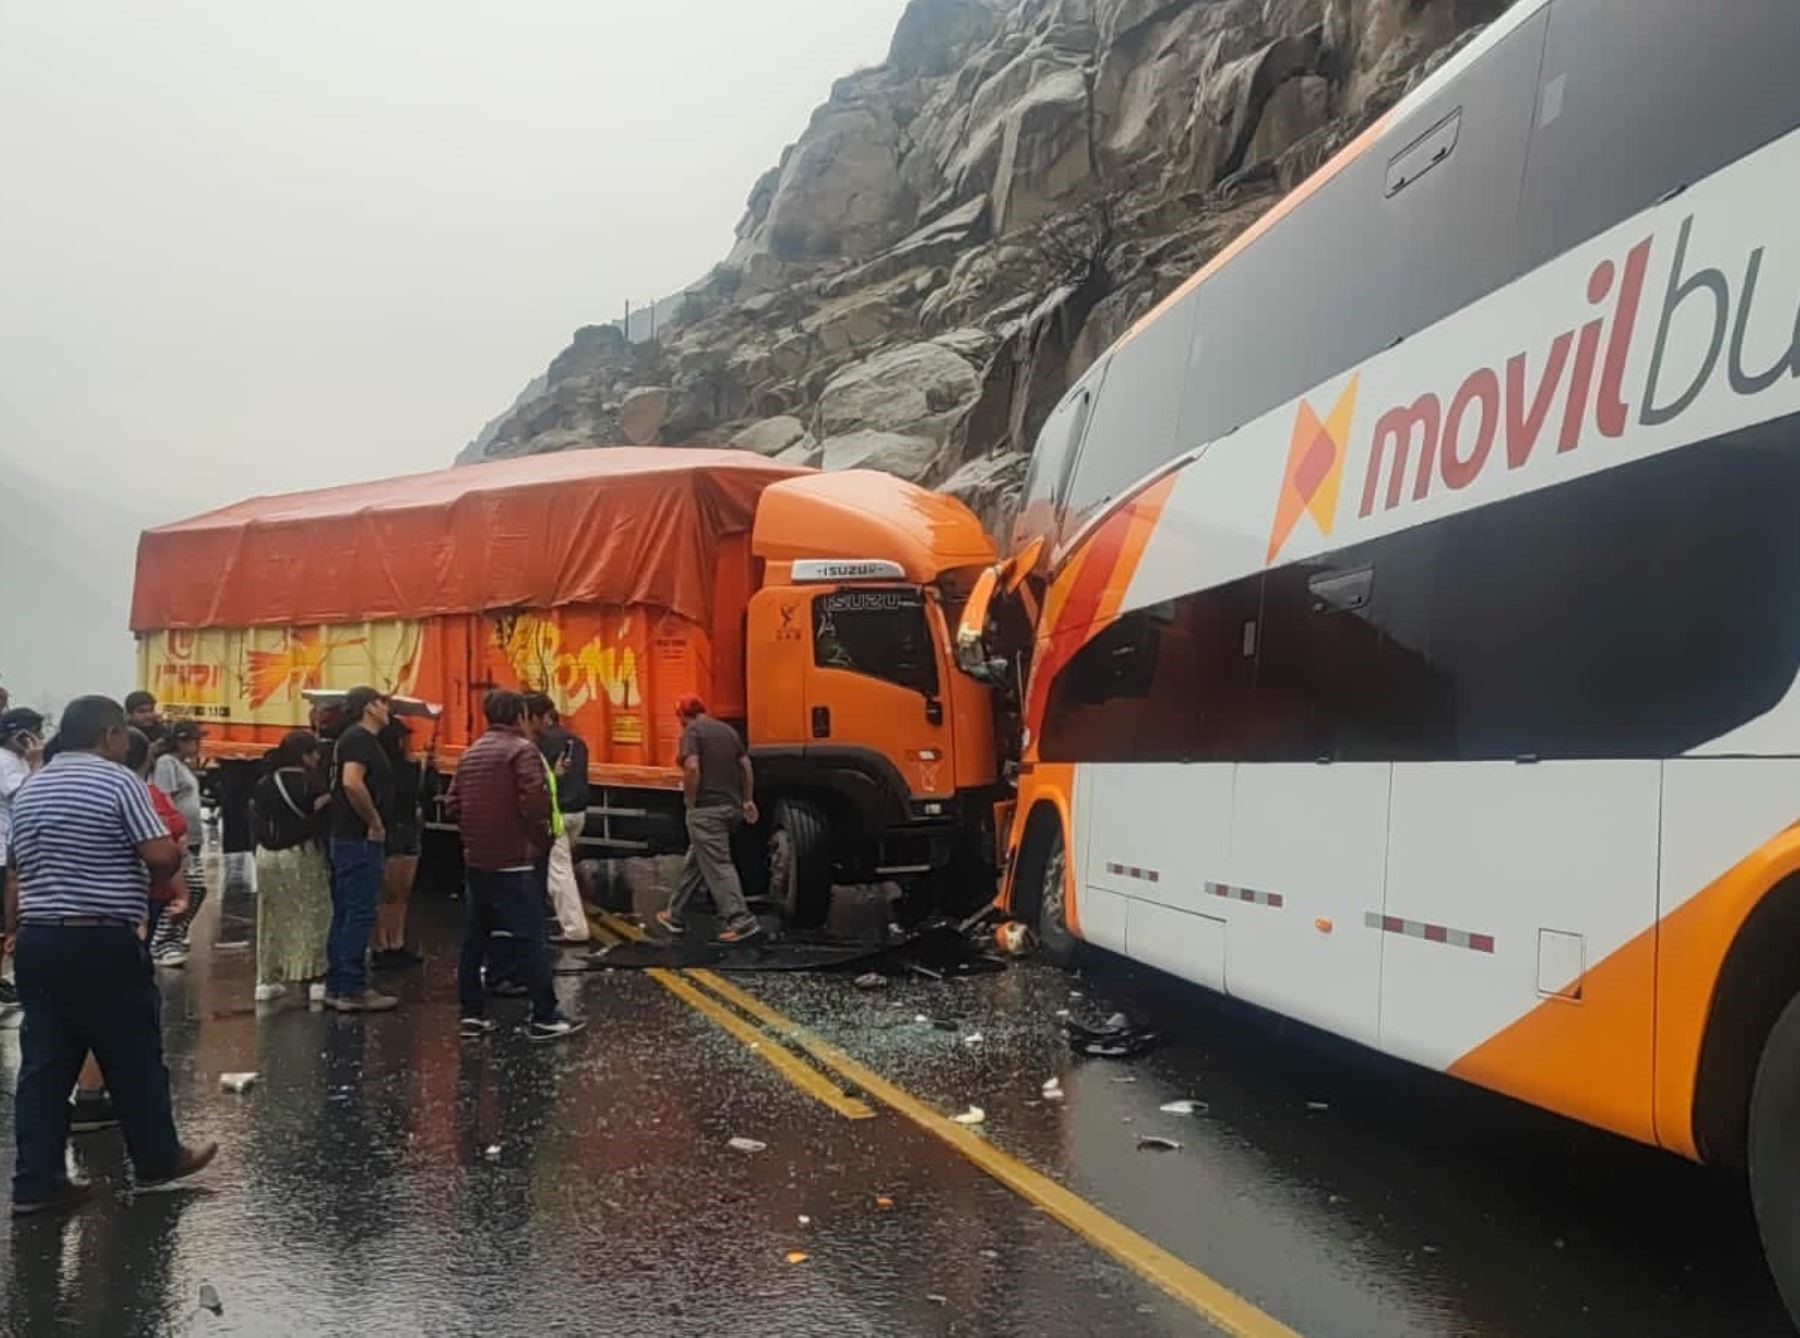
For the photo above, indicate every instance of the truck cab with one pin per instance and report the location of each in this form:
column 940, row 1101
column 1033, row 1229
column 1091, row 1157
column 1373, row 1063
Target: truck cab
column 875, row 753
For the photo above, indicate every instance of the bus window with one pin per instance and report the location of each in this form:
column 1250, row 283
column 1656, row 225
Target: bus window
column 1169, row 684
column 1133, row 430
column 1046, row 480
column 880, row 633
column 1612, row 139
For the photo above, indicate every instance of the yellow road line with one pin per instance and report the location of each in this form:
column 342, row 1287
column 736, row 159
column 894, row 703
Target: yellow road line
column 790, row 1066
column 1181, row 1280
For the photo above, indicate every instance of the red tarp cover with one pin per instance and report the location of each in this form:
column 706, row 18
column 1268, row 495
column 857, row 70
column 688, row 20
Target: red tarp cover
column 626, row 525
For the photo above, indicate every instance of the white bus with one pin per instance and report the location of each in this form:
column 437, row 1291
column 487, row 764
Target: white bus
column 1417, row 629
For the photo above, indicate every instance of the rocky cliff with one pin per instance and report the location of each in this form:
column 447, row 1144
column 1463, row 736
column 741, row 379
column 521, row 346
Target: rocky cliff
column 961, row 230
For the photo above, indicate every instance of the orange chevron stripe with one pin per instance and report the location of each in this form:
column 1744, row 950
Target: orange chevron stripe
column 1626, row 1057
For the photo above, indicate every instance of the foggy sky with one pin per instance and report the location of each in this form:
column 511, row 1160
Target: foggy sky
column 247, row 247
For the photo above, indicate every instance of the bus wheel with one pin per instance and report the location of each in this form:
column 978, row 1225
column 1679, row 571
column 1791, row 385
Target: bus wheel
column 1774, row 1153
column 800, row 863
column 1056, row 944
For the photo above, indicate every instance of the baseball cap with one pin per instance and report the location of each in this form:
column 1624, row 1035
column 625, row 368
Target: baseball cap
column 182, row 730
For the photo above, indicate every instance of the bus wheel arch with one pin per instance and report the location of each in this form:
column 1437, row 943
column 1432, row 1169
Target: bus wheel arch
column 1042, row 851
column 1758, row 978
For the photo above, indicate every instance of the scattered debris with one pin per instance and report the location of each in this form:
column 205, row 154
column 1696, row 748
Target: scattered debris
column 925, row 971
column 920, row 1018
column 805, row 1220
column 1116, row 1038
column 883, row 1201
column 973, row 1115
column 990, row 1254
column 1053, row 1090
column 936, row 1299
column 747, row 1145
column 1318, row 1105
column 1185, row 1108
column 1063, row 1015
column 493, row 1152
column 1432, row 1249
column 1338, row 1198
column 209, row 1299
column 798, row 1256
column 1157, row 1143
column 871, row 980
column 947, row 1024
column 238, row 1082
column 1014, row 938
column 973, row 1038
column 1124, row 1079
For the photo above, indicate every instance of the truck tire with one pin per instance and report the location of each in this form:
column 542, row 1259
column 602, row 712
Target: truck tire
column 1056, row 944
column 1774, row 1153
column 800, row 863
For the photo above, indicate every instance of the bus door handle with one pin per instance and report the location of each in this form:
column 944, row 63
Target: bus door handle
column 821, row 722
column 934, row 711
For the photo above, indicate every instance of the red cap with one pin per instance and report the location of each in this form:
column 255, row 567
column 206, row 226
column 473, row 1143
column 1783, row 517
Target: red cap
column 690, row 705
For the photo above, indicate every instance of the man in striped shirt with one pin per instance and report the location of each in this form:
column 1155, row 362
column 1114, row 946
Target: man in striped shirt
column 86, row 845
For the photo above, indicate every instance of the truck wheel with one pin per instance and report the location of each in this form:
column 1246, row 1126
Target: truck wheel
column 1774, row 1153
column 800, row 863
column 1056, row 944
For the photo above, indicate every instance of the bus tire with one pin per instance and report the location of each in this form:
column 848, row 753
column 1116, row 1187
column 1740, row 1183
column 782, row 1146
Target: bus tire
column 1774, row 1153
column 1055, row 943
column 800, row 862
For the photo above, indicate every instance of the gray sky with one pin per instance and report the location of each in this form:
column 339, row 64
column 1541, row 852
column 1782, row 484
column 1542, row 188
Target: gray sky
column 250, row 246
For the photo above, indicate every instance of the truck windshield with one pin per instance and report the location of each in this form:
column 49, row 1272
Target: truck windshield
column 881, row 633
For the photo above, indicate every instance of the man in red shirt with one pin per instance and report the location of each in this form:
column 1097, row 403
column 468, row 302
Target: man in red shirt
column 501, row 801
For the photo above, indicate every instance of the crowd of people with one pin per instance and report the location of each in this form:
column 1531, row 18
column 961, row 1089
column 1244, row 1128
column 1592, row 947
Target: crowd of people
column 101, row 839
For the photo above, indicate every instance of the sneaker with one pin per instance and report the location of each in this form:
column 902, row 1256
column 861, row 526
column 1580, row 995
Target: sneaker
column 315, row 992
column 67, row 1195
column 670, row 924
column 473, row 1028
column 91, row 1114
column 193, row 1160
column 740, row 933
column 558, row 1030
column 369, row 1001
column 264, row 993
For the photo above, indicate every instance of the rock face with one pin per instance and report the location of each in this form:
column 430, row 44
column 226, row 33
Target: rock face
column 963, row 229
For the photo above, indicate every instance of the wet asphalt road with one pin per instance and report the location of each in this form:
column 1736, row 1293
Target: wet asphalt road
column 386, row 1178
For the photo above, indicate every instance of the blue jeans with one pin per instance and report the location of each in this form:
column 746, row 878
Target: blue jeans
column 88, row 987
column 356, row 868
column 513, row 903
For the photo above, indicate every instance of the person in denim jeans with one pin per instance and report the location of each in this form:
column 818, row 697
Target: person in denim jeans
column 503, row 804
column 362, row 798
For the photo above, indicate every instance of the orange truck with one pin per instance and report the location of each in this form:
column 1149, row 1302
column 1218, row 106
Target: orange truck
column 812, row 611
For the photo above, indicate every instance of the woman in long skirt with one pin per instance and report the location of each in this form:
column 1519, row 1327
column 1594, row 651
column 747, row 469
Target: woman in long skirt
column 289, row 811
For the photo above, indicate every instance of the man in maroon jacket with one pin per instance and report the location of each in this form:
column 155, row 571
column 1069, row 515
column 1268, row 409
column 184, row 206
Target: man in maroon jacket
column 501, row 801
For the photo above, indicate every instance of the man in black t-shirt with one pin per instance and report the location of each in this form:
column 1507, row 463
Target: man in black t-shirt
column 362, row 799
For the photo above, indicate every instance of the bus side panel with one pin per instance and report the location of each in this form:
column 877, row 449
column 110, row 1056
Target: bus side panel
column 1505, row 882
column 1153, row 834
column 1307, row 868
